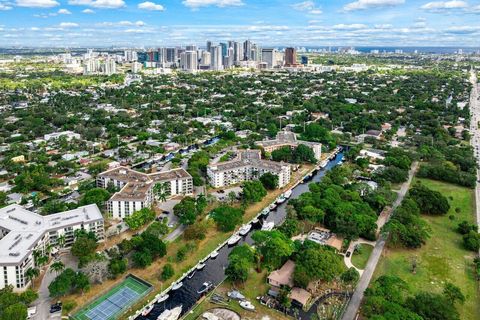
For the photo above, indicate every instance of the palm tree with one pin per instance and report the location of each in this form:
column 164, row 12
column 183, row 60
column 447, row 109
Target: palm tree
column 31, row 274
column 57, row 266
column 61, row 241
column 160, row 191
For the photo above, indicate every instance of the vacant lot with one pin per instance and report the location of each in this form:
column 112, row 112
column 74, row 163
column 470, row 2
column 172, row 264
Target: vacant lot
column 443, row 258
column 360, row 257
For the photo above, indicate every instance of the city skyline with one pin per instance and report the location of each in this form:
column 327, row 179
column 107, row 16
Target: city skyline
column 44, row 23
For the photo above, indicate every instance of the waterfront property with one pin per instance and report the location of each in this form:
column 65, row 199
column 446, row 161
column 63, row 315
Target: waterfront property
column 289, row 139
column 248, row 165
column 136, row 188
column 24, row 234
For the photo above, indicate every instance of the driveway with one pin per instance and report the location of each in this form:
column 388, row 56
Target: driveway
column 43, row 302
column 351, row 248
column 366, row 277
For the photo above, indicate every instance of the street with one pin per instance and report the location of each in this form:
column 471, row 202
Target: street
column 475, row 135
column 366, row 277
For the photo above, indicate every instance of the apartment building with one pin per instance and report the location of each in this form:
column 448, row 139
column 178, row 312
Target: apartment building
column 248, row 165
column 288, row 138
column 23, row 232
column 136, row 188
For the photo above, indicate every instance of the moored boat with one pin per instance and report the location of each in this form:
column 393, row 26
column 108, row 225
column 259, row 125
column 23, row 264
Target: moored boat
column 206, row 286
column 245, row 229
column 214, row 254
column 162, row 298
column 147, row 310
column 200, row 266
column 177, row 285
column 234, row 239
column 172, row 314
column 268, row 226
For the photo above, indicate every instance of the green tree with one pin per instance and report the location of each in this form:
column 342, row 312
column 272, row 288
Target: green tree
column 269, row 181
column 429, row 201
column 186, row 210
column 253, row 191
column 226, row 217
column 84, row 247
column 140, row 218
column 57, row 267
column 96, row 196
column 274, row 247
column 471, row 241
column 167, row 272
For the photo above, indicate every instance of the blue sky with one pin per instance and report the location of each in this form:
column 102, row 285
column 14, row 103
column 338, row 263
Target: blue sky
column 154, row 23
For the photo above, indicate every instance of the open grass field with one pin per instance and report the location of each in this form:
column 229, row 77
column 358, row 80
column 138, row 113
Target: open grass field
column 442, row 259
column 360, row 259
column 114, row 302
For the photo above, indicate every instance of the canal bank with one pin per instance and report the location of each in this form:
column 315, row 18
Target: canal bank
column 214, row 268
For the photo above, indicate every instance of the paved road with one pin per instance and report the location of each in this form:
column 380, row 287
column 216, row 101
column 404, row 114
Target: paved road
column 43, row 302
column 367, row 274
column 475, row 134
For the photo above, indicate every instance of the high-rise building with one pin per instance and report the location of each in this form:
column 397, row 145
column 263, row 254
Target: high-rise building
column 304, row 60
column 224, row 49
column 130, row 55
column 216, row 62
column 209, row 45
column 191, row 47
column 228, row 60
column 206, row 58
column 110, row 66
column 269, row 56
column 237, row 52
column 172, row 55
column 247, row 50
column 290, row 57
column 189, row 61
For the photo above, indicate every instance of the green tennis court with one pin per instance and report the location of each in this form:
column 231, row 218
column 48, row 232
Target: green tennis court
column 116, row 301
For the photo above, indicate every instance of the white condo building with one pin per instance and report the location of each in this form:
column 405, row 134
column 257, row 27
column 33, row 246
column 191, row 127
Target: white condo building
column 248, row 165
column 23, row 232
column 136, row 188
column 287, row 138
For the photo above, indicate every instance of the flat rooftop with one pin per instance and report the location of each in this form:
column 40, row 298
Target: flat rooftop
column 22, row 228
column 248, row 158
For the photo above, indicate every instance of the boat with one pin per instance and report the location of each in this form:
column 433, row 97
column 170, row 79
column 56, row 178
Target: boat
column 200, row 266
column 234, row 294
column 268, row 226
column 288, row 194
column 266, row 211
column 214, row 254
column 272, row 207
column 162, row 298
column 233, row 239
column 205, row 287
column 147, row 310
column 177, row 285
column 172, row 314
column 191, row 274
column 255, row 221
column 247, row 305
column 281, row 199
column 245, row 229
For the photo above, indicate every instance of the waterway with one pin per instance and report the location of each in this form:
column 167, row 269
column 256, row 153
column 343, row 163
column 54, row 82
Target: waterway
column 214, row 270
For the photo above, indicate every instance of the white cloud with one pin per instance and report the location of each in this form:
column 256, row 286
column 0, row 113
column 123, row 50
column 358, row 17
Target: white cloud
column 307, row 6
column 88, row 11
column 68, row 25
column 463, row 29
column 354, row 26
column 150, row 6
column 370, row 4
column 124, row 23
column 37, row 3
column 34, row 29
column 110, row 4
column 64, row 11
column 4, row 7
column 195, row 4
column 445, row 5
column 383, row 26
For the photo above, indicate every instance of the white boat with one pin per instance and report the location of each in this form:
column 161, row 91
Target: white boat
column 268, row 226
column 205, row 287
column 147, row 310
column 247, row 305
column 287, row 194
column 191, row 274
column 162, row 298
column 254, row 221
column 272, row 207
column 234, row 294
column 200, row 266
column 281, row 199
column 177, row 285
column 233, row 239
column 266, row 211
column 214, row 254
column 245, row 229
column 172, row 314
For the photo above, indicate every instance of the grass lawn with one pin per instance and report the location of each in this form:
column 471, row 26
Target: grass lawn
column 442, row 259
column 360, row 259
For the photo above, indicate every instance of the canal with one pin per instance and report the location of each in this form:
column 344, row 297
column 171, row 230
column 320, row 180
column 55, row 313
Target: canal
column 214, row 270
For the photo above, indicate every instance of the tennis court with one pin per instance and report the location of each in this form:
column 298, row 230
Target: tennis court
column 116, row 301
